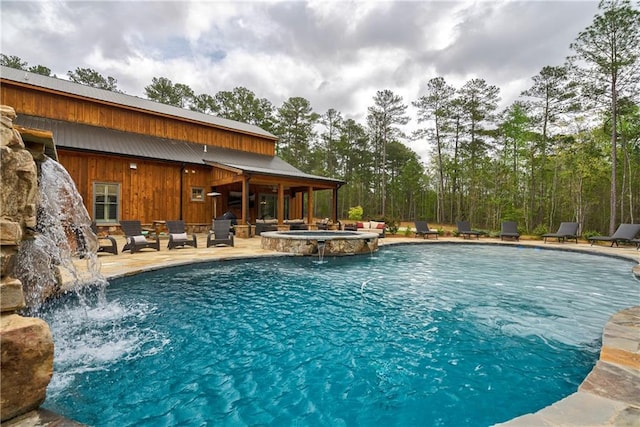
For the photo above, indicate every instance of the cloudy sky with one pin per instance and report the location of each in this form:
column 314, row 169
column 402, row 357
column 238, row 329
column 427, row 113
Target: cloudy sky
column 336, row 54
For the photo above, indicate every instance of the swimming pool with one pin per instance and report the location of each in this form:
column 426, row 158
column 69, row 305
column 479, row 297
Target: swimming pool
column 415, row 335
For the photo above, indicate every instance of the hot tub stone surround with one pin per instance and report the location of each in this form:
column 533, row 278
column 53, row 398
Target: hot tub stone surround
column 310, row 243
column 26, row 364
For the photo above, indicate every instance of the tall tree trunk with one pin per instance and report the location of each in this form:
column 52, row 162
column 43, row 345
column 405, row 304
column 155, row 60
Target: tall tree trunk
column 614, row 155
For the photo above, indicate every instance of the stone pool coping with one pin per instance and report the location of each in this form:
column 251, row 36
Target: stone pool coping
column 609, row 396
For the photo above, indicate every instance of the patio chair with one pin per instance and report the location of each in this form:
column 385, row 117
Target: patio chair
column 266, row 225
column 637, row 243
column 135, row 239
column 509, row 230
column 178, row 235
column 624, row 234
column 221, row 233
column 464, row 230
column 422, row 229
column 566, row 231
column 105, row 243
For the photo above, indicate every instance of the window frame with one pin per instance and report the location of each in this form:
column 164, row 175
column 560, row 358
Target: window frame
column 118, row 202
column 197, row 194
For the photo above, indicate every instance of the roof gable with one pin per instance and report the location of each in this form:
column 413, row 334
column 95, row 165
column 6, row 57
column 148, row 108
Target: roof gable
column 130, row 101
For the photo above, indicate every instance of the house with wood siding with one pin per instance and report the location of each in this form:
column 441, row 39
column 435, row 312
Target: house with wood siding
column 133, row 158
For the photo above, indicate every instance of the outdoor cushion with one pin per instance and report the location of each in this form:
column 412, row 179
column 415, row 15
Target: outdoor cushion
column 180, row 236
column 294, row 221
column 139, row 239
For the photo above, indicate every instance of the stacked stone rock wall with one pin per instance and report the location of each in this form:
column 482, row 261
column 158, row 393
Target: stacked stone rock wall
column 26, row 364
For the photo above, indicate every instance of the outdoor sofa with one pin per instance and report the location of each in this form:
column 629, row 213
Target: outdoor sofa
column 371, row 227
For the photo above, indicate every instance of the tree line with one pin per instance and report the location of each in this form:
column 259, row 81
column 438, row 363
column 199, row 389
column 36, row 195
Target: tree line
column 567, row 150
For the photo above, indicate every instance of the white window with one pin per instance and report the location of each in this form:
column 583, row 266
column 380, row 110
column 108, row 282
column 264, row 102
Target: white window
column 106, row 202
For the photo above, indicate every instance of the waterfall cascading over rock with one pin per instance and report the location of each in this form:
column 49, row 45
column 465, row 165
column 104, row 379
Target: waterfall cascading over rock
column 62, row 254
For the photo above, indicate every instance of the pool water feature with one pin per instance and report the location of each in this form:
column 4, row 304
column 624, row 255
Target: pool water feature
column 320, row 242
column 46, row 264
column 439, row 335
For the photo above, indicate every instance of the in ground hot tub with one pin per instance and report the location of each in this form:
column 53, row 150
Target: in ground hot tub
column 320, row 242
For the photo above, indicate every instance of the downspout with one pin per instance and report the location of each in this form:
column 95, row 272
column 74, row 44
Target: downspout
column 182, row 169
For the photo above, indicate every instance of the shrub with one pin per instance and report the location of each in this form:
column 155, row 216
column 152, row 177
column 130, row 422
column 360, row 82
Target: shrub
column 355, row 213
column 407, row 231
column 392, row 227
column 540, row 230
column 589, row 233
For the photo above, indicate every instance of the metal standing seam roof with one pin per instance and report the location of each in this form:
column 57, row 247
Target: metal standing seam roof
column 66, row 86
column 109, row 141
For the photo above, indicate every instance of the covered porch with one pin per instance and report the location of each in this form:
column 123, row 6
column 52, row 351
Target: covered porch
column 279, row 194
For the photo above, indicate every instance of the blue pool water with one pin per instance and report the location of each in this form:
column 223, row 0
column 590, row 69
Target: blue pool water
column 437, row 335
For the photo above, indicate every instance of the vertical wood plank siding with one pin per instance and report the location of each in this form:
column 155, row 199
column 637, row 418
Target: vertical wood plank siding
column 155, row 189
column 69, row 108
column 150, row 192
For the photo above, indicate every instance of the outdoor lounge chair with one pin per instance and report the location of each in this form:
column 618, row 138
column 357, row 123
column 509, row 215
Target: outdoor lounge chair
column 135, row 239
column 221, row 233
column 637, row 243
column 624, row 234
column 509, row 230
column 105, row 243
column 422, row 229
column 566, row 231
column 464, row 230
column 178, row 235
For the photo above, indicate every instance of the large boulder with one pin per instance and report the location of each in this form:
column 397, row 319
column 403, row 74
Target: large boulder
column 26, row 364
column 26, row 345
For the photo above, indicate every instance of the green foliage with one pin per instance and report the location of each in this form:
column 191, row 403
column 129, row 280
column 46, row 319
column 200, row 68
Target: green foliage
column 163, row 90
column 40, row 69
column 243, row 105
column 391, row 226
column 296, row 121
column 539, row 230
column 17, row 63
column 408, row 232
column 590, row 233
column 608, row 64
column 384, row 119
column 355, row 213
column 91, row 77
column 13, row 61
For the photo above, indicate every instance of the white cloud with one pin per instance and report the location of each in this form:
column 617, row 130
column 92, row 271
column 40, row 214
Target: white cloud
column 336, row 54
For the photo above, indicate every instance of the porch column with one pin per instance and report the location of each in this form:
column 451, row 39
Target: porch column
column 310, row 205
column 243, row 229
column 245, row 201
column 280, row 204
column 334, row 199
